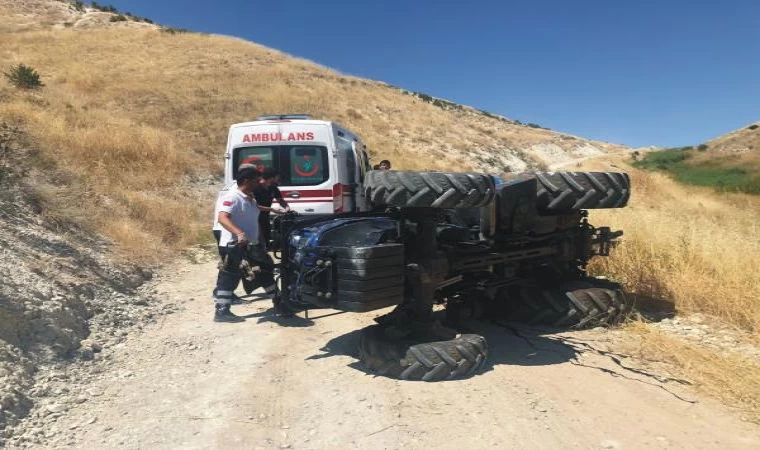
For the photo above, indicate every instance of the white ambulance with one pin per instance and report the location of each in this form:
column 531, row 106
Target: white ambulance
column 321, row 163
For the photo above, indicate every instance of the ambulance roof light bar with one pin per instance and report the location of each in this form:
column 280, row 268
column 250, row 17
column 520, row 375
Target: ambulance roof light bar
column 285, row 117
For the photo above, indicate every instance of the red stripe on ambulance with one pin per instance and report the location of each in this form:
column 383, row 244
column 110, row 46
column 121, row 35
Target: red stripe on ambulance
column 307, row 194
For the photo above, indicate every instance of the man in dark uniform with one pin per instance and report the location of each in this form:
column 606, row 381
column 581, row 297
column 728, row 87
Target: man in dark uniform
column 265, row 193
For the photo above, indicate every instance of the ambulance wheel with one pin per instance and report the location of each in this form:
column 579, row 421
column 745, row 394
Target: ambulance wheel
column 429, row 189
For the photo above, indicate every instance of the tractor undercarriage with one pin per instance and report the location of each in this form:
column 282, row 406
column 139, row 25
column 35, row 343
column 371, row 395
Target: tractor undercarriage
column 501, row 250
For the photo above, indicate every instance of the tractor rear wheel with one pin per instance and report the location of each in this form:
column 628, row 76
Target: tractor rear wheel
column 429, row 189
column 586, row 303
column 561, row 192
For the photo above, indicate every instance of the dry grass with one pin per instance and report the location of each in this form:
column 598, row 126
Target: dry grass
column 687, row 245
column 742, row 140
column 731, row 379
column 130, row 112
column 696, row 249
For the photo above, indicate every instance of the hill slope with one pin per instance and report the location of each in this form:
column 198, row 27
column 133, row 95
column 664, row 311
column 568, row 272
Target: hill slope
column 132, row 115
column 743, row 140
column 728, row 163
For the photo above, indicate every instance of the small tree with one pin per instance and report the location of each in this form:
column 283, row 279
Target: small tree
column 702, row 147
column 24, row 77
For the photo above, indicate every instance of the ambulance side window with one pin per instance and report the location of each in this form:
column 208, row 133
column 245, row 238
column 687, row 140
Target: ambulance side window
column 367, row 164
column 350, row 166
column 346, row 156
column 362, row 160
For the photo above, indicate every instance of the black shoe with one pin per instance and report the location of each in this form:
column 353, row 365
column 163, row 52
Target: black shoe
column 282, row 310
column 236, row 300
column 223, row 314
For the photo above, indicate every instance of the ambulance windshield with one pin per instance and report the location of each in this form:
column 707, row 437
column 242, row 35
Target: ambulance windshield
column 298, row 165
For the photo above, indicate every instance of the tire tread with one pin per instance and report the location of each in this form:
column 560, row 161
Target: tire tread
column 427, row 361
column 559, row 192
column 429, row 189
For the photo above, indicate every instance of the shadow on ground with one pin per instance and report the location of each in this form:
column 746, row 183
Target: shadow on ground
column 509, row 344
column 270, row 315
column 652, row 309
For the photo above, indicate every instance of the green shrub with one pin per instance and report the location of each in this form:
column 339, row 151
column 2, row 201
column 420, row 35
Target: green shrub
column 104, row 8
column 711, row 173
column 754, row 126
column 488, row 114
column 663, row 159
column 425, row 98
column 731, row 179
column 119, row 18
column 172, row 30
column 702, row 147
column 78, row 5
column 24, row 77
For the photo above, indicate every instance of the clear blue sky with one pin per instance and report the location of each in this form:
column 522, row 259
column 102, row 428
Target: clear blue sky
column 644, row 72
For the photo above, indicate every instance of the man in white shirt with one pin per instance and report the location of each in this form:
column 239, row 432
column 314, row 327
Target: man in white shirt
column 216, row 228
column 238, row 216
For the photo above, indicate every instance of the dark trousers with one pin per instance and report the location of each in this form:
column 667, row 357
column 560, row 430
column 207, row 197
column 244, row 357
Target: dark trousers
column 230, row 273
column 257, row 256
column 217, row 236
column 265, row 228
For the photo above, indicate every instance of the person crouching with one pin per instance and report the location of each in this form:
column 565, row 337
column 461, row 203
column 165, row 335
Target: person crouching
column 239, row 218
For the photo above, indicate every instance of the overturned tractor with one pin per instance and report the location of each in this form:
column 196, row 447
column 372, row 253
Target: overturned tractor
column 474, row 243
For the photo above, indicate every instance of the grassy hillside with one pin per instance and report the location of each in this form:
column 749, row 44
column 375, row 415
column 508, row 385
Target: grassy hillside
column 728, row 163
column 132, row 117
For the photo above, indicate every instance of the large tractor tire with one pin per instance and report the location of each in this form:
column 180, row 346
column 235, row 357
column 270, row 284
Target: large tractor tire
column 561, row 192
column 429, row 189
column 429, row 361
column 582, row 304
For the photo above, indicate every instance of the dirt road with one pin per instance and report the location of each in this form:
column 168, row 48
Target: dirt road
column 187, row 382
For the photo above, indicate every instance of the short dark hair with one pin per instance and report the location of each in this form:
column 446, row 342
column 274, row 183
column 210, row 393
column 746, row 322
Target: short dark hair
column 385, row 161
column 247, row 174
column 269, row 172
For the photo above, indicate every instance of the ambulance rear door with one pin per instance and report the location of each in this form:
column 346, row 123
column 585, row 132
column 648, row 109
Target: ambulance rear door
column 301, row 151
